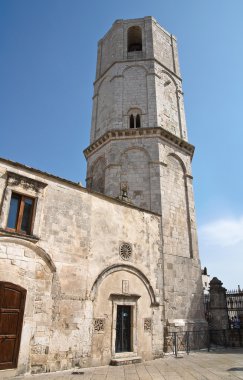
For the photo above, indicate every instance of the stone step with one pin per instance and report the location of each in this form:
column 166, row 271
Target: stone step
column 126, row 360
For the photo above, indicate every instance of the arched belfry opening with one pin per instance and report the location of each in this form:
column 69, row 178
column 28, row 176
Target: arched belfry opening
column 131, row 121
column 134, row 39
column 135, row 118
column 138, row 121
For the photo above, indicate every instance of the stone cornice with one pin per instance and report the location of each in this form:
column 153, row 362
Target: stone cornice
column 122, row 134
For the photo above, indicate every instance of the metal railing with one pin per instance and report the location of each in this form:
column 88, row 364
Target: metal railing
column 234, row 300
column 187, row 341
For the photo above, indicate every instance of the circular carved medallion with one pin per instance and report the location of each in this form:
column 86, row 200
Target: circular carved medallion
column 125, row 251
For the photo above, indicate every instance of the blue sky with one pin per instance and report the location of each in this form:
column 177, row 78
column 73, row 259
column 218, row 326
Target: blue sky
column 47, row 67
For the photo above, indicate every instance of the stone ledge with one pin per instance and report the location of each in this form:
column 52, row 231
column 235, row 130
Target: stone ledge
column 31, row 238
column 120, row 134
column 125, row 360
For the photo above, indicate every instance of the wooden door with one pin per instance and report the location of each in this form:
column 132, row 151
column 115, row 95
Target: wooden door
column 12, row 302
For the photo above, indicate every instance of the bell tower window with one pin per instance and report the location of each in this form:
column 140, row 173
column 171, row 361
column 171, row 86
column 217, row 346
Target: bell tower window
column 131, row 121
column 134, row 118
column 134, row 39
column 138, row 124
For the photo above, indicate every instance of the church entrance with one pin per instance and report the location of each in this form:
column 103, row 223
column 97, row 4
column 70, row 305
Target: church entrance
column 12, row 302
column 123, row 328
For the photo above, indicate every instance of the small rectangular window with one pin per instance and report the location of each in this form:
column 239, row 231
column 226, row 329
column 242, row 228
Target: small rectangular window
column 20, row 214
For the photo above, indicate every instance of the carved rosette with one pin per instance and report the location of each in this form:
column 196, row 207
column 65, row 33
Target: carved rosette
column 125, row 251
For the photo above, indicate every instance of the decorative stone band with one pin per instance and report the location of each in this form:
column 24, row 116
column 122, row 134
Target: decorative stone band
column 27, row 183
column 119, row 134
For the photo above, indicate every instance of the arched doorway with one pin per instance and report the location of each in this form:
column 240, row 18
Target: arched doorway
column 123, row 303
column 12, row 303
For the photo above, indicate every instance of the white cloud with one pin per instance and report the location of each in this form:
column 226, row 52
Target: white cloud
column 221, row 250
column 222, row 232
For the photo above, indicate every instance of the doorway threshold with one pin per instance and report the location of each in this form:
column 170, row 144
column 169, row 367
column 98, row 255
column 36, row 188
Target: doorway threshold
column 126, row 360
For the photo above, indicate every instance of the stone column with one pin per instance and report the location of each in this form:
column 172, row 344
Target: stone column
column 217, row 305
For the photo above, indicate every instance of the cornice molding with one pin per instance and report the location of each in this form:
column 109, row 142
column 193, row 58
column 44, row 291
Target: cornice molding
column 15, row 179
column 122, row 134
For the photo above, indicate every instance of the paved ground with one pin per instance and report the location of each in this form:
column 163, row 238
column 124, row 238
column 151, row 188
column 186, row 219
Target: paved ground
column 217, row 365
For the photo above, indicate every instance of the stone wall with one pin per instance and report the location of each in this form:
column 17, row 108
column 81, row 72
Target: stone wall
column 71, row 268
column 139, row 162
column 165, row 48
column 158, row 177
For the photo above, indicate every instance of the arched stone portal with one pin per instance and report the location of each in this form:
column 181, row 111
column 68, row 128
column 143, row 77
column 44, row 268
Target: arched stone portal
column 123, row 310
column 12, row 303
column 27, row 272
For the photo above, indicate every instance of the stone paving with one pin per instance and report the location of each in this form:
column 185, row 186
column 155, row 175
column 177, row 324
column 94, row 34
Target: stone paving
column 216, row 365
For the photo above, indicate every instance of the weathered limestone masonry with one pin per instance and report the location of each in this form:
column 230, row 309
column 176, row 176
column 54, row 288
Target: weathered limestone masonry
column 75, row 274
column 138, row 74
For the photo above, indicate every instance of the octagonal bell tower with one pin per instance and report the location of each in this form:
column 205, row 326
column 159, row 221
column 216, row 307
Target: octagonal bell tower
column 137, row 97
column 139, row 149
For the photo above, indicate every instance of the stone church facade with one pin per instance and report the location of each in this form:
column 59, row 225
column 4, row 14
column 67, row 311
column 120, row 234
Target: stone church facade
column 99, row 275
